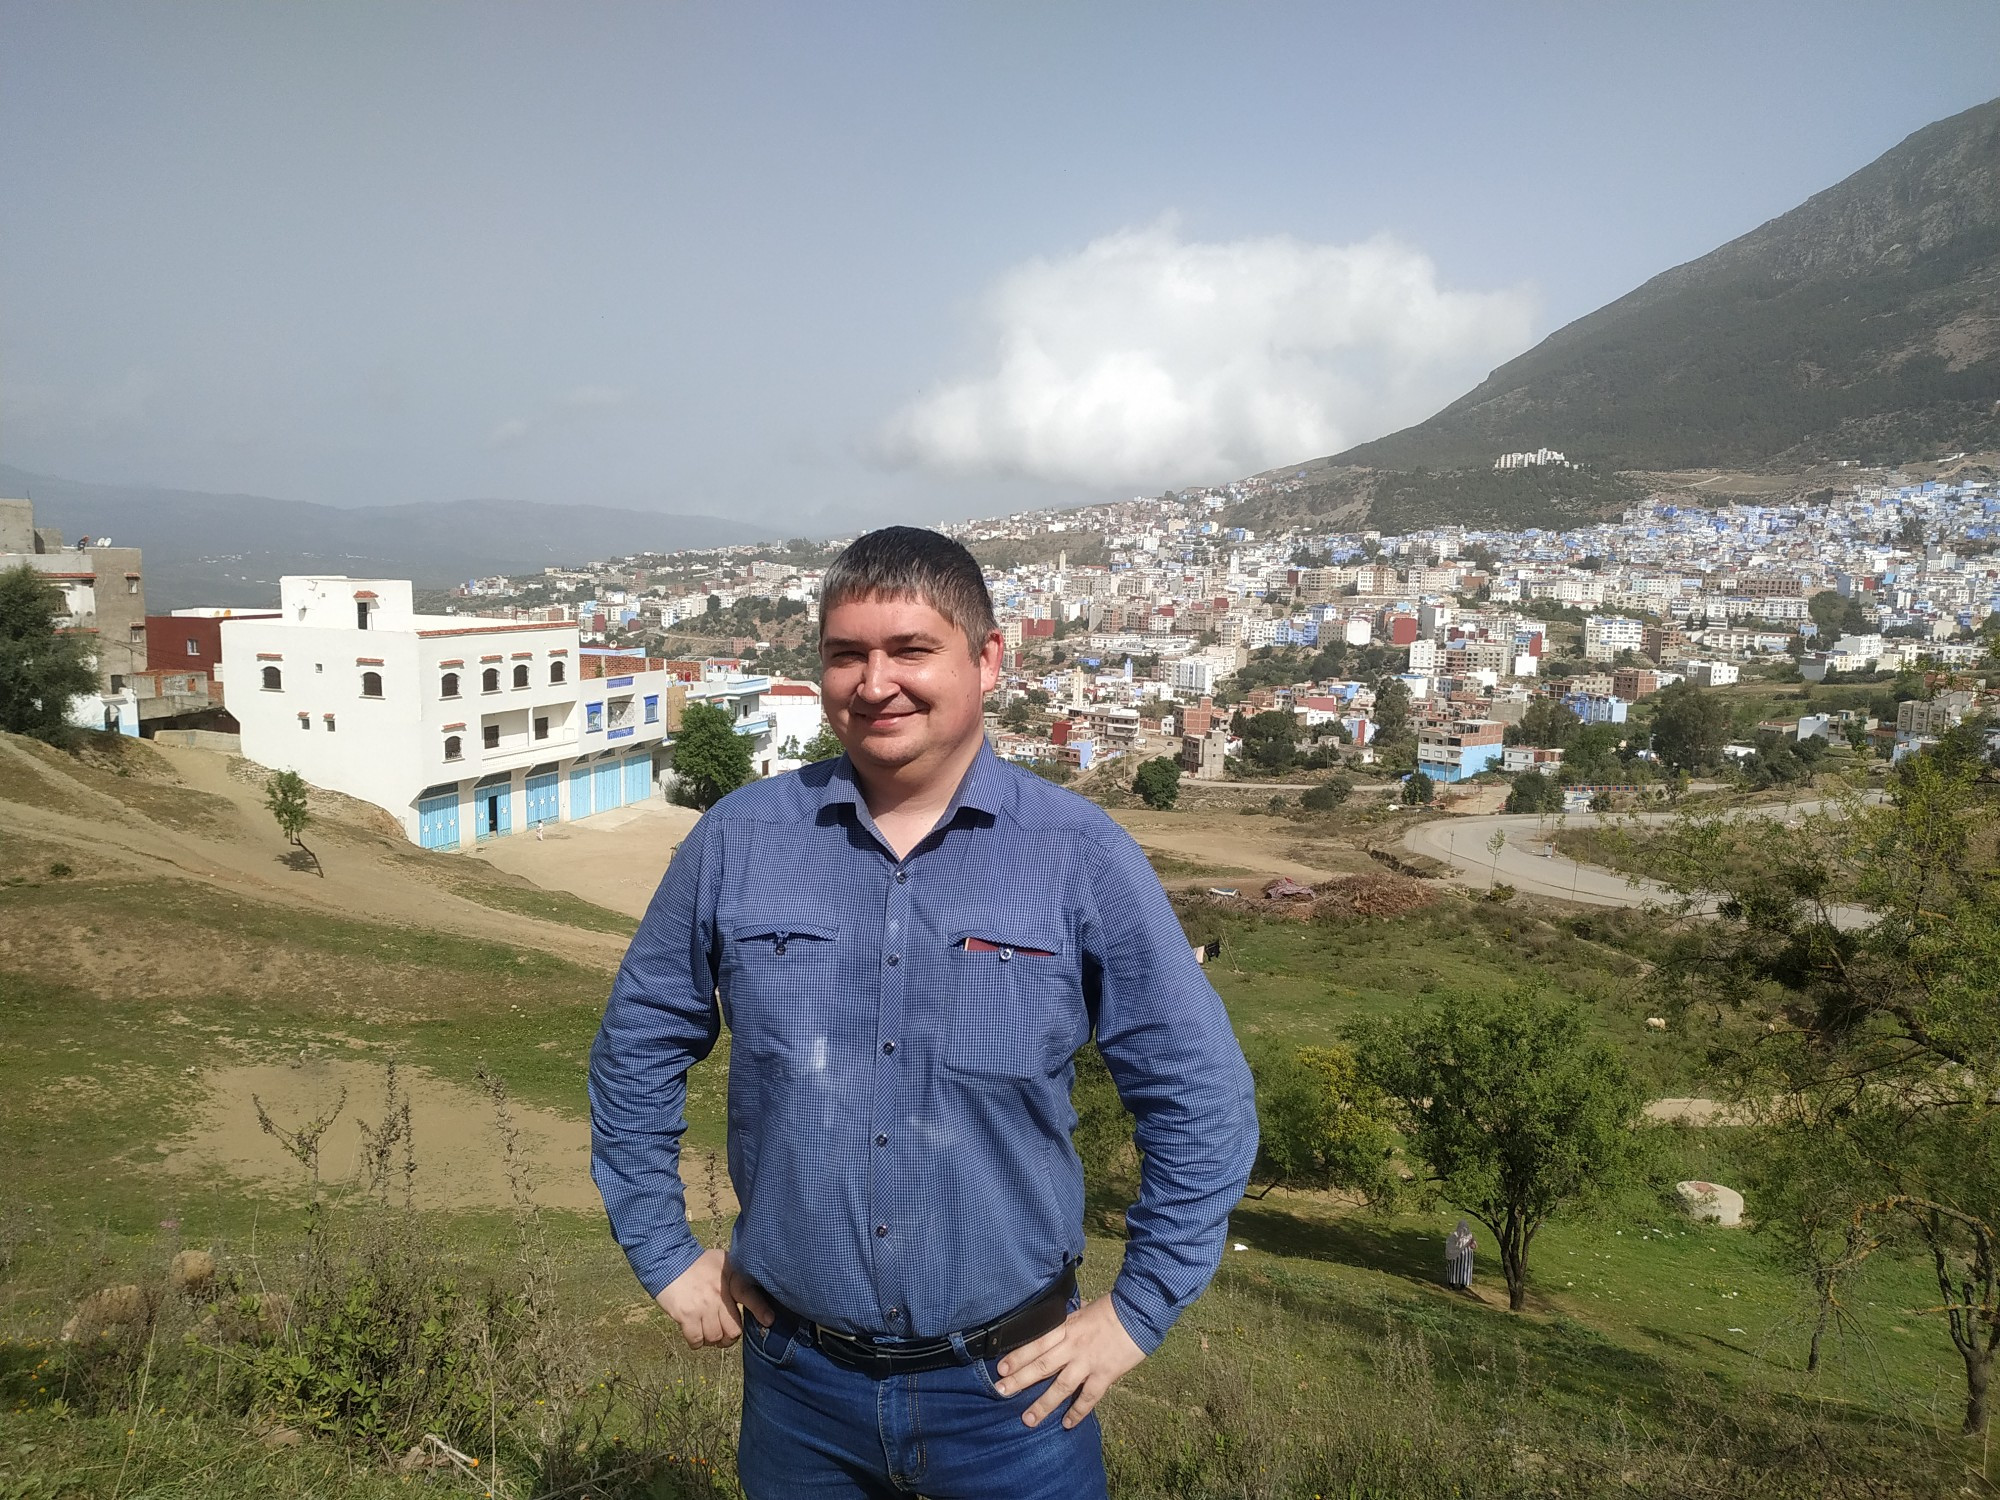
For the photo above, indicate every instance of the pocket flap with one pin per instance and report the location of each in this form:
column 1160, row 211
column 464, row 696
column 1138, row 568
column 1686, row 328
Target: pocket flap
column 1030, row 936
column 776, row 928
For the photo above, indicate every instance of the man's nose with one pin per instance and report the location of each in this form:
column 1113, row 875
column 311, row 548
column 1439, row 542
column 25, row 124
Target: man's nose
column 878, row 679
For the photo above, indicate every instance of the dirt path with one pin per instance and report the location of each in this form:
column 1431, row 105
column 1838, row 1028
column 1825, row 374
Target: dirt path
column 461, row 1154
column 1262, row 847
column 615, row 859
column 183, row 814
column 1527, row 859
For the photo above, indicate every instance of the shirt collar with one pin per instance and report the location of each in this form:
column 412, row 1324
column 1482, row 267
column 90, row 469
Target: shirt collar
column 983, row 788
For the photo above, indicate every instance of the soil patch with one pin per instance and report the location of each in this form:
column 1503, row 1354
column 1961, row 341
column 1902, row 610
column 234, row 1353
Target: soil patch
column 1365, row 896
column 460, row 1152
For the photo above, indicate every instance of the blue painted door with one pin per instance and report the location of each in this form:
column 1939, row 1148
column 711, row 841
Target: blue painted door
column 579, row 792
column 638, row 778
column 543, row 799
column 437, row 821
column 610, row 786
column 492, row 810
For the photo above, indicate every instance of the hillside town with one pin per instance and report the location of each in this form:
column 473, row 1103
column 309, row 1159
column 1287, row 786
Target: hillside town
column 1154, row 627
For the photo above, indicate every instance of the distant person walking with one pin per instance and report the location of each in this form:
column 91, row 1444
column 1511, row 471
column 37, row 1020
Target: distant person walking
column 1459, row 1246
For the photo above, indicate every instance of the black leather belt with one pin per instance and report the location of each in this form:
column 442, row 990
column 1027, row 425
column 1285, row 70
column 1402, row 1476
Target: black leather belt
column 884, row 1357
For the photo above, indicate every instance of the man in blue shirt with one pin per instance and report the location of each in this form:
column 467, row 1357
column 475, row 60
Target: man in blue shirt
column 908, row 945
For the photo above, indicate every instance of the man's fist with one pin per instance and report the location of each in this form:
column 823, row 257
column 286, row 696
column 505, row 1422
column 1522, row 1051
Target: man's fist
column 704, row 1300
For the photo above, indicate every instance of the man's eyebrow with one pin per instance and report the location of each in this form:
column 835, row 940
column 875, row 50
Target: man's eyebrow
column 909, row 638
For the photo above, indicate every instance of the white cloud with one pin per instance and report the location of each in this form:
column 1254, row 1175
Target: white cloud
column 1145, row 359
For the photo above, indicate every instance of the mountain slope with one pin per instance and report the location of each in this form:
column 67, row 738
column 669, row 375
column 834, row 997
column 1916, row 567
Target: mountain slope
column 1863, row 324
column 230, row 549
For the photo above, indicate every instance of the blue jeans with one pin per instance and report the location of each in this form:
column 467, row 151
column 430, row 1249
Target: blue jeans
column 815, row 1428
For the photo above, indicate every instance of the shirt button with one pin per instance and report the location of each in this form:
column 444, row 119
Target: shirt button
column 894, row 959
column 902, row 878
column 881, row 1140
column 888, row 1047
column 895, row 1313
column 881, row 1231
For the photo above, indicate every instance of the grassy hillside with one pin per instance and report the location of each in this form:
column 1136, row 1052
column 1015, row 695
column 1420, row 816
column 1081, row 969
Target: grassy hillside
column 1656, row 1358
column 1859, row 325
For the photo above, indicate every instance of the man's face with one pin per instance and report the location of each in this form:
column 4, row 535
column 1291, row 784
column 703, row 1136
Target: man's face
column 899, row 686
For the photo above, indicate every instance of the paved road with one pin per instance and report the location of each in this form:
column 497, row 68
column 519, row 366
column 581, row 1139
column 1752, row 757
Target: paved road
column 1524, row 863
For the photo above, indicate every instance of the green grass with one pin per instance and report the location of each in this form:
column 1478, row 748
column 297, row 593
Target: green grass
column 1291, row 982
column 550, row 906
column 1325, row 1358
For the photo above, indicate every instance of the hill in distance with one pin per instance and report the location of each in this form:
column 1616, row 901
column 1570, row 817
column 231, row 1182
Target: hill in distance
column 1864, row 325
column 231, row 549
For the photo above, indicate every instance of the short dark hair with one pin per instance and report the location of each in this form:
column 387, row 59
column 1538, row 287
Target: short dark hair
column 908, row 562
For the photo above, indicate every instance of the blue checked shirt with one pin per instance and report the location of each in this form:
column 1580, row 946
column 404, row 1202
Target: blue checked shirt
column 899, row 1069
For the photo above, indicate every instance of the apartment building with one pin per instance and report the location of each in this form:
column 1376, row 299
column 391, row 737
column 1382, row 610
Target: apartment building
column 103, row 588
column 1459, row 750
column 460, row 727
column 1604, row 636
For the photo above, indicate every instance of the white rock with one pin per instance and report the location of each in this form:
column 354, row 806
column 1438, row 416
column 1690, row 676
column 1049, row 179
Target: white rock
column 1656, row 1023
column 1711, row 1200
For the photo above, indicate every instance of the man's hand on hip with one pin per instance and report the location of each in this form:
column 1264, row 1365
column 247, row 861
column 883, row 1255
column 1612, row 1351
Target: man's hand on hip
column 705, row 1297
column 1081, row 1359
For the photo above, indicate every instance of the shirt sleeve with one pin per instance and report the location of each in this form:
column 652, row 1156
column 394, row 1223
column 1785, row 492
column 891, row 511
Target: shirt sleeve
column 661, row 1020
column 1178, row 1068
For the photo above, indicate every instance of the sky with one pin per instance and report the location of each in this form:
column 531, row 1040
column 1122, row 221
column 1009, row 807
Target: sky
column 814, row 264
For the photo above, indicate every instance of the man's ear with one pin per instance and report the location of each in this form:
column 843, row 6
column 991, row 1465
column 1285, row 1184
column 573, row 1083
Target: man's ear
column 992, row 652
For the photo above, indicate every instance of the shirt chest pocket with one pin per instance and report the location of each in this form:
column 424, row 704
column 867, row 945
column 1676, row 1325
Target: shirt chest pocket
column 1012, row 995
column 779, row 977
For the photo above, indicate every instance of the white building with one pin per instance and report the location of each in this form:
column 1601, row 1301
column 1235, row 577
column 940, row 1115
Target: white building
column 795, row 714
column 460, row 727
column 1711, row 674
column 1604, row 636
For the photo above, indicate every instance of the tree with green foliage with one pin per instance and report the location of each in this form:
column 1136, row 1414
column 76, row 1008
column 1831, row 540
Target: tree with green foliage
column 1534, row 793
column 1392, row 707
column 1327, row 795
column 1690, row 727
column 285, row 794
column 1322, row 1127
column 1270, row 740
column 1836, row 616
column 1513, row 1109
column 711, row 759
column 42, row 666
column 1548, row 723
column 1158, row 783
column 1882, row 1033
column 1418, row 790
column 822, row 746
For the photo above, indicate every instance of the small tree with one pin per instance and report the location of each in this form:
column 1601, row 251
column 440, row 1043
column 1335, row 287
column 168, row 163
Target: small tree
column 42, row 666
column 711, row 759
column 1392, row 707
column 1418, row 790
column 1534, row 793
column 1511, row 1108
column 1322, row 1126
column 1158, row 783
column 1269, row 741
column 285, row 794
column 1327, row 795
column 1690, row 727
column 822, row 746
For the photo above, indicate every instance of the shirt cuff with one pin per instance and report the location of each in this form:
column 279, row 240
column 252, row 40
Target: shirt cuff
column 659, row 1266
column 1144, row 1316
